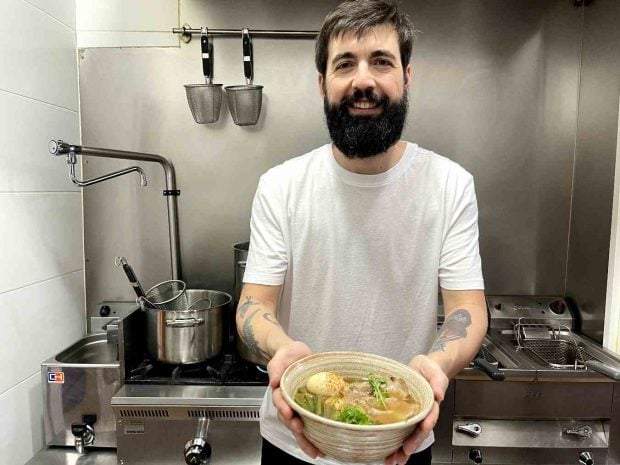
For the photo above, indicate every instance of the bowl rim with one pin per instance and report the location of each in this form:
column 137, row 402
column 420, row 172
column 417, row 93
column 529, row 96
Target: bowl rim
column 302, row 412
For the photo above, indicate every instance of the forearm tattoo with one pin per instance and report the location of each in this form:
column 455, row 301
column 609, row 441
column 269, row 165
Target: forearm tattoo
column 243, row 309
column 249, row 338
column 454, row 328
column 247, row 333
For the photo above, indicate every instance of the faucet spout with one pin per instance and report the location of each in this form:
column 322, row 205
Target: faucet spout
column 105, row 177
column 58, row 147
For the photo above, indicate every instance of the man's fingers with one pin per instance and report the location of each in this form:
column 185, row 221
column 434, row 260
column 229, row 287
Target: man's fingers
column 294, row 424
column 422, row 431
column 275, row 370
column 308, row 448
column 297, row 427
column 413, row 442
column 427, row 425
column 281, row 405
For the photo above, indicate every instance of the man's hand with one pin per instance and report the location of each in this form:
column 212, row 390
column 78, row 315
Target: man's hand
column 283, row 357
column 438, row 380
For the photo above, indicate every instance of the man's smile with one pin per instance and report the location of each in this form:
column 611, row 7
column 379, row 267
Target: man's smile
column 365, row 107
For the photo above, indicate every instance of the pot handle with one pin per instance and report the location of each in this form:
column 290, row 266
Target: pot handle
column 185, row 322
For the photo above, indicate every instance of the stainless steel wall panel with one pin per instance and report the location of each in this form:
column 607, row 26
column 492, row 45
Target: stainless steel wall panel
column 495, row 88
column 595, row 164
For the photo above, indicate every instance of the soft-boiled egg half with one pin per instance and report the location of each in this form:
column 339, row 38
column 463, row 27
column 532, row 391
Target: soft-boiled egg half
column 325, row 384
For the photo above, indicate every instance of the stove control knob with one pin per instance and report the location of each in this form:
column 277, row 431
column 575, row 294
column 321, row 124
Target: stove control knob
column 197, row 452
column 475, row 456
column 585, row 458
column 497, row 306
column 558, row 307
column 104, row 310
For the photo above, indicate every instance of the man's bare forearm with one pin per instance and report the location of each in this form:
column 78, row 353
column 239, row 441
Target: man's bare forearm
column 258, row 327
column 459, row 338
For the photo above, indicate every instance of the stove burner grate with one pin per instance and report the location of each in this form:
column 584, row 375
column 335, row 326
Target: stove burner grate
column 222, row 371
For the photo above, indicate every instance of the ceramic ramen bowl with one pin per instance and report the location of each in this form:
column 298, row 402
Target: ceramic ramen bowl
column 355, row 443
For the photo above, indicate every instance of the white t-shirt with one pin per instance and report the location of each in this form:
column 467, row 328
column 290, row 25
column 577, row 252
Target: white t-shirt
column 361, row 257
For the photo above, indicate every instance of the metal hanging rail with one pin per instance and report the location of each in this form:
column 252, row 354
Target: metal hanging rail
column 186, row 33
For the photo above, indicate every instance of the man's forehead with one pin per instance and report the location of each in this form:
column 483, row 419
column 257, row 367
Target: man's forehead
column 383, row 36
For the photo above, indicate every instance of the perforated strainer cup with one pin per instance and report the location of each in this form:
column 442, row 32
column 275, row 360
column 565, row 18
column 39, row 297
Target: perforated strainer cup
column 245, row 101
column 167, row 295
column 205, row 100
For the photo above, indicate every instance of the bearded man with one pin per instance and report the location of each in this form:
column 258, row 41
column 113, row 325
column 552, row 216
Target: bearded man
column 351, row 243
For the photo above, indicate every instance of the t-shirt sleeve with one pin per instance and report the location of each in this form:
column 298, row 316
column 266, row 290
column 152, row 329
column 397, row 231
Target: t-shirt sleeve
column 460, row 267
column 267, row 256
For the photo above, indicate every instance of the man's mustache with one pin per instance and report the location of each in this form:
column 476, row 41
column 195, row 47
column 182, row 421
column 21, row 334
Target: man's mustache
column 367, row 95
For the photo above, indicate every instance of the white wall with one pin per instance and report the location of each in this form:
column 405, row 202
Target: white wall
column 41, row 248
column 612, row 304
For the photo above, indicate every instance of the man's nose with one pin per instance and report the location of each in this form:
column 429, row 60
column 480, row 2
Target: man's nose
column 363, row 79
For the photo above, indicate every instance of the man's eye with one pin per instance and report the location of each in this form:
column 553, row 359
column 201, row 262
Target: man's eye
column 382, row 62
column 343, row 65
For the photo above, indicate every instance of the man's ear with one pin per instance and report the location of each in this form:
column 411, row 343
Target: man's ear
column 322, row 85
column 408, row 77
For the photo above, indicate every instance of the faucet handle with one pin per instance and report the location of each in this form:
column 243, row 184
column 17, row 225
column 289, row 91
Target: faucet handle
column 84, row 432
column 585, row 458
column 90, row 419
column 78, row 429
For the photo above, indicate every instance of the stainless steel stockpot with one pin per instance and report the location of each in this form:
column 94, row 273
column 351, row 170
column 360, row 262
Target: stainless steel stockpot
column 188, row 336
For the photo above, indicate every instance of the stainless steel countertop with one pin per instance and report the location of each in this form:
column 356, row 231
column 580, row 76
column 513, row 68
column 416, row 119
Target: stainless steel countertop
column 68, row 456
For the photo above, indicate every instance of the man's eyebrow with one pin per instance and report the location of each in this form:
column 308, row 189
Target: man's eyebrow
column 342, row 56
column 382, row 53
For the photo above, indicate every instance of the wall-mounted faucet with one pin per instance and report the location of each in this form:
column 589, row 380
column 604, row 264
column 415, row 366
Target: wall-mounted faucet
column 59, row 147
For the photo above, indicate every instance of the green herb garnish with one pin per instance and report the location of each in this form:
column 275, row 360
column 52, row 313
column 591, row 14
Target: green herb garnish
column 379, row 385
column 353, row 415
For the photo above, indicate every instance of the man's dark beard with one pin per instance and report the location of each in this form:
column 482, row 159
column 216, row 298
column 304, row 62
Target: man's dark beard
column 365, row 136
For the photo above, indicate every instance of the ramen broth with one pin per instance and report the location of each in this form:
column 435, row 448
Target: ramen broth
column 374, row 400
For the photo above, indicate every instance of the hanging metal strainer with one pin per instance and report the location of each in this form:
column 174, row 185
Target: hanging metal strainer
column 205, row 100
column 245, row 102
column 167, row 295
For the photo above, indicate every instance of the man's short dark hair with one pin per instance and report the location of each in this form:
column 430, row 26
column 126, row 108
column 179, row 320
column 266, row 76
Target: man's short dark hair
column 361, row 16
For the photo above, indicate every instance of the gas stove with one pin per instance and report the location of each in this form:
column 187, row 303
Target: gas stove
column 176, row 414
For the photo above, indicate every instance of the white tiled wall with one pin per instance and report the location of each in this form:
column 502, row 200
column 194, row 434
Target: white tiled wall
column 127, row 23
column 41, row 251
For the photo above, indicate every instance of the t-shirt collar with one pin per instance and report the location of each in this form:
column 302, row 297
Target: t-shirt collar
column 370, row 180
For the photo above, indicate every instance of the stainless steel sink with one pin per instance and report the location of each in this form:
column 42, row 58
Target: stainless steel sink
column 92, row 350
column 78, row 384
